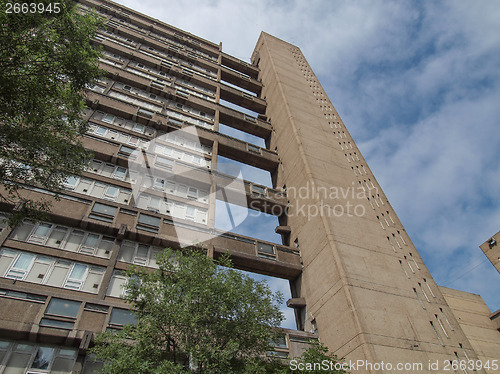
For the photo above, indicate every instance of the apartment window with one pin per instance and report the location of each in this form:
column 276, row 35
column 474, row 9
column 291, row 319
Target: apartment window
column 111, row 192
column 40, row 234
column 71, row 182
column 126, row 151
column 253, row 148
column 63, row 308
column 103, row 212
column 101, row 131
column 21, row 265
column 22, row 296
column 35, row 359
column 148, row 223
column 96, row 307
column 190, row 213
column 145, row 113
column 108, row 118
column 139, row 128
column 121, row 317
column 258, row 190
column 266, row 250
column 159, row 183
column 117, row 284
column 61, row 313
column 192, row 193
column 120, row 173
column 76, row 277
column 164, row 163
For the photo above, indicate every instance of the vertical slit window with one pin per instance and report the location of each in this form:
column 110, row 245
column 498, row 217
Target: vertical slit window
column 389, row 240
column 422, row 289
column 404, row 270
column 396, row 240
column 435, row 332
column 418, row 297
column 409, row 265
column 441, row 325
column 401, row 236
column 429, row 288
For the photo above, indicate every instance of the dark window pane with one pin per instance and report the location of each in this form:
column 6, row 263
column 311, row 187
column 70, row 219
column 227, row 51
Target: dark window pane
column 53, row 323
column 266, row 248
column 122, row 317
column 149, row 220
column 96, row 307
column 104, row 209
column 42, row 358
column 66, row 308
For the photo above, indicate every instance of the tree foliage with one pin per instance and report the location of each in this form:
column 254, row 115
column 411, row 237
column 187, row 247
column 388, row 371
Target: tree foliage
column 194, row 311
column 196, row 315
column 46, row 61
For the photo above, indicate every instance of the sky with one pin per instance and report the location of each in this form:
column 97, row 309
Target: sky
column 417, row 84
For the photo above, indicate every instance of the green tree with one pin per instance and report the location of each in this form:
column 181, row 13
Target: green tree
column 46, row 62
column 195, row 312
column 316, row 360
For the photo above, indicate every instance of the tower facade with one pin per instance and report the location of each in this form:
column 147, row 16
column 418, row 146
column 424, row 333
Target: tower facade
column 367, row 291
column 357, row 281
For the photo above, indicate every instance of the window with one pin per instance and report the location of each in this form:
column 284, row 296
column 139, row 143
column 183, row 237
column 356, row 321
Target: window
column 127, row 151
column 253, row 148
column 76, row 277
column 50, row 271
column 96, row 307
column 103, row 212
column 159, row 183
column 190, row 213
column 266, row 250
column 101, row 131
column 71, row 182
column 140, row 254
column 148, row 223
column 192, row 193
column 121, row 317
column 19, row 358
column 63, row 308
column 258, row 190
column 120, row 173
column 108, row 118
column 163, row 162
column 117, row 284
column 111, row 192
column 42, row 358
column 20, row 267
column 22, row 295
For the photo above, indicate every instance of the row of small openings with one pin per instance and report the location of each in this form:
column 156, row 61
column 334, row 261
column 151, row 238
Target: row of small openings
column 439, row 320
column 422, row 291
column 376, row 198
column 352, row 156
column 397, row 242
column 408, row 262
column 384, row 218
column 336, row 125
column 347, row 145
column 339, row 134
column 359, row 171
column 369, row 184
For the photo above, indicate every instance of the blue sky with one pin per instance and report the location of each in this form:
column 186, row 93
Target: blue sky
column 417, row 84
